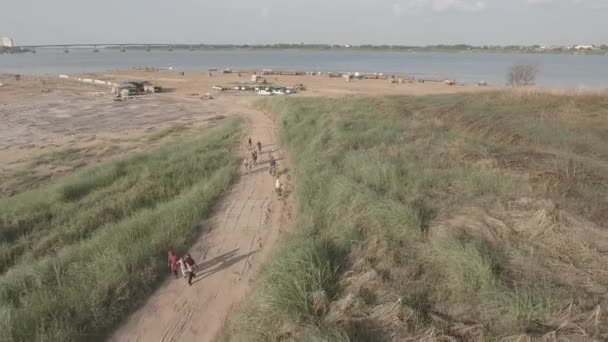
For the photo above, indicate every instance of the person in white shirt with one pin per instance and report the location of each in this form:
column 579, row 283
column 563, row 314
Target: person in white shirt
column 277, row 186
column 186, row 265
column 182, row 266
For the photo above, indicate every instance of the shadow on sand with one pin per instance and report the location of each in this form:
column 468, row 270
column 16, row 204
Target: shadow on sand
column 217, row 264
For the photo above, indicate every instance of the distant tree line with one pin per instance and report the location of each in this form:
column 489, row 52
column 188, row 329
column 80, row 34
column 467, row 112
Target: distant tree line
column 10, row 50
column 429, row 48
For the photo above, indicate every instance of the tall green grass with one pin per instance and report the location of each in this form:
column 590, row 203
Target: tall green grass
column 374, row 176
column 78, row 255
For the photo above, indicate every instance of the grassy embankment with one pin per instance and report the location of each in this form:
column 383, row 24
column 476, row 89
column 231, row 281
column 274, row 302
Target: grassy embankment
column 78, row 254
column 32, row 171
column 475, row 217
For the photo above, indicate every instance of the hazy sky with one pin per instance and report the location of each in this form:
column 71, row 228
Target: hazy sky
column 416, row 22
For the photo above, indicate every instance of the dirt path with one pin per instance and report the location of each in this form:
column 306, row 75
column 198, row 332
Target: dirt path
column 238, row 237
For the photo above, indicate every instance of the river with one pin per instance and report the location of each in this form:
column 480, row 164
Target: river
column 569, row 71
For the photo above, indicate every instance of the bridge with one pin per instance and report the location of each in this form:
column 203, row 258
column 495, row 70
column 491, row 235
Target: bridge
column 89, row 45
column 123, row 47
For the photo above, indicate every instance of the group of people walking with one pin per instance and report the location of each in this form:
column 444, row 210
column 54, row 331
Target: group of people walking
column 272, row 163
column 184, row 265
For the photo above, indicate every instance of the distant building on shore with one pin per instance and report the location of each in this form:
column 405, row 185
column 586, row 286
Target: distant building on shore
column 581, row 47
column 6, row 42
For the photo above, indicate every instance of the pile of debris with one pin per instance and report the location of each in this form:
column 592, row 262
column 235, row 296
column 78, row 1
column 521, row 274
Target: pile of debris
column 402, row 79
column 281, row 73
column 258, row 79
column 133, row 88
column 269, row 91
column 275, row 90
column 261, row 88
column 363, row 76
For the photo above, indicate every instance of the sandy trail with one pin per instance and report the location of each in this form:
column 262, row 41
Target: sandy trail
column 237, row 238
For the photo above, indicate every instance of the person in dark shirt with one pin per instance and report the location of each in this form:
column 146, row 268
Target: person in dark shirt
column 273, row 165
column 190, row 264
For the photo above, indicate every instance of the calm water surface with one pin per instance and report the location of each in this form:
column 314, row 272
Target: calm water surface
column 555, row 70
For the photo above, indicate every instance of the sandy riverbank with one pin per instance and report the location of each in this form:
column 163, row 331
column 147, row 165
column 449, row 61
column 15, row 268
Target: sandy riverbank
column 41, row 113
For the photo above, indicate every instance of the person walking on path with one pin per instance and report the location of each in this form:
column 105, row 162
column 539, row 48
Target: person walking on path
column 259, row 146
column 273, row 166
column 277, row 186
column 188, row 268
column 172, row 262
column 249, row 141
column 254, row 156
column 247, row 164
column 182, row 266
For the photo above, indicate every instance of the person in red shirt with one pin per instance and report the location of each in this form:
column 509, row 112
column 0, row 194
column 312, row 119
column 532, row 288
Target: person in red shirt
column 172, row 262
